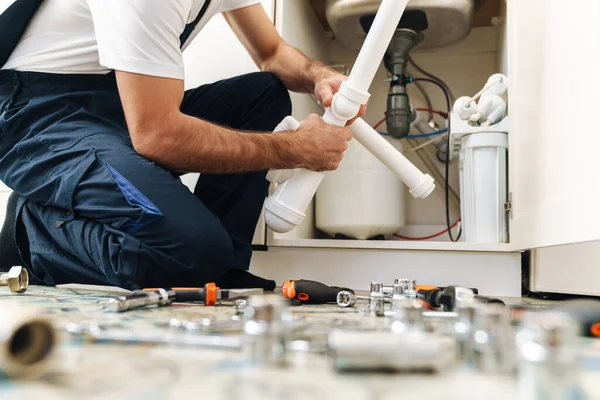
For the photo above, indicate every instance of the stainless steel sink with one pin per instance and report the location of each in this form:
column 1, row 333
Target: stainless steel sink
column 449, row 20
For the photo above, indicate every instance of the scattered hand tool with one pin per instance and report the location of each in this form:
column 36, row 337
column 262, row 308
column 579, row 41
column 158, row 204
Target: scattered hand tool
column 446, row 298
column 209, row 295
column 586, row 313
column 17, row 279
column 311, row 292
column 99, row 334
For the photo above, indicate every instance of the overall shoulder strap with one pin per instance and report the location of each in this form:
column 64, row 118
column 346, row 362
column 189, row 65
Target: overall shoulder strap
column 13, row 23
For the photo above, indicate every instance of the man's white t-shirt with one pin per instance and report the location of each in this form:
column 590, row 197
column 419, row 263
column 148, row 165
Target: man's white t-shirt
column 98, row 36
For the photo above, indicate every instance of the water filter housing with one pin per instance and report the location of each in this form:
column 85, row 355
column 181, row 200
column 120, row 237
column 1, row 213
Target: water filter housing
column 483, row 165
column 362, row 199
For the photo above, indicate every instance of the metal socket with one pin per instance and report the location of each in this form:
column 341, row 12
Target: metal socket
column 409, row 287
column 387, row 351
column 347, row 299
column 377, row 299
column 27, row 342
column 264, row 336
column 549, row 360
column 492, row 340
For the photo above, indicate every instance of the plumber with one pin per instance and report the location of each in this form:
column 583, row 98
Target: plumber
column 96, row 128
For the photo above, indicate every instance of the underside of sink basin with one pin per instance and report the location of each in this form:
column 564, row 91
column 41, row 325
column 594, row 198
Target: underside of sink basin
column 449, row 20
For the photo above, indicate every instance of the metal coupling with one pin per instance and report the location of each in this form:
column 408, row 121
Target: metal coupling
column 548, row 357
column 387, row 351
column 27, row 342
column 346, row 299
column 492, row 340
column 17, row 279
column 408, row 316
column 240, row 306
column 377, row 299
column 264, row 331
column 398, row 298
column 463, row 330
column 409, row 287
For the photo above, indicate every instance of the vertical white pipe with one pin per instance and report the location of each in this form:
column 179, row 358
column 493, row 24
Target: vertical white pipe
column 377, row 41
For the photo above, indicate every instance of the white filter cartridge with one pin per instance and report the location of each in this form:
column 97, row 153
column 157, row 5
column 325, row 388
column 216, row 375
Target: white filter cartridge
column 484, row 187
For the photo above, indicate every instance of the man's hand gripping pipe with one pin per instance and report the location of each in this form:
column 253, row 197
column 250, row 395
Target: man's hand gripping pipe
column 285, row 208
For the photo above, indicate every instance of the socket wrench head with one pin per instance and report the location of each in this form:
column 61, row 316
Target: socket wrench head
column 398, row 291
column 463, row 330
column 240, row 306
column 409, row 287
column 18, row 280
column 385, row 351
column 376, row 287
column 346, row 299
column 548, row 336
column 264, row 336
column 492, row 340
column 377, row 299
column 548, row 356
column 408, row 316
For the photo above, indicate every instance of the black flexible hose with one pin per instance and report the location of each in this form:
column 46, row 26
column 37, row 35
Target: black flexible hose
column 447, row 160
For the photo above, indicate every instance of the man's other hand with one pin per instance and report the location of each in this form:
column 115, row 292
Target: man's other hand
column 323, row 145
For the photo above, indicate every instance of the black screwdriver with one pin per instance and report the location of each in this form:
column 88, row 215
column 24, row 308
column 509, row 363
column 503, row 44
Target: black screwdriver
column 311, row 292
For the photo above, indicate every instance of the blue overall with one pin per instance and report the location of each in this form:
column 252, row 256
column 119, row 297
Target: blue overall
column 95, row 211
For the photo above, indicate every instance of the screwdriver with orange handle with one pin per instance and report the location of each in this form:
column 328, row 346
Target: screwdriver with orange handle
column 311, row 292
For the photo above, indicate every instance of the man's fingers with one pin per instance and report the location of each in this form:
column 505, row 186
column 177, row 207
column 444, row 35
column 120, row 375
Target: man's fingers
column 361, row 112
column 325, row 95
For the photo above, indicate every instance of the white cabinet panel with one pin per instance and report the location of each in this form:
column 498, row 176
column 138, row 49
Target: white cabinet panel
column 554, row 53
column 569, row 269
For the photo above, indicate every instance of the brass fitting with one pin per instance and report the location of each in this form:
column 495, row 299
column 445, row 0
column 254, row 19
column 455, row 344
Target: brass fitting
column 17, row 280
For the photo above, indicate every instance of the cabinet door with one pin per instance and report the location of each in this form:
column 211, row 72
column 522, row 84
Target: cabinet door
column 554, row 53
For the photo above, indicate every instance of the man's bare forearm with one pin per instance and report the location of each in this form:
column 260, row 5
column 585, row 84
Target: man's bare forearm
column 298, row 72
column 194, row 145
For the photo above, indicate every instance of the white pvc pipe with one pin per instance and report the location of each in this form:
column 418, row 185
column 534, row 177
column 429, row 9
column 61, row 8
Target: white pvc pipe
column 421, row 185
column 379, row 37
column 285, row 208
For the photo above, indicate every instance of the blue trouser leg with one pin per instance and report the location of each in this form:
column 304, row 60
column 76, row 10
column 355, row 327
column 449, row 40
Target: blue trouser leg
column 237, row 199
column 97, row 212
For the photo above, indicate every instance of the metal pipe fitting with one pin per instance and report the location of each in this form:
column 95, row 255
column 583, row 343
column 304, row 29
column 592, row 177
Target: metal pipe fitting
column 27, row 342
column 407, row 316
column 264, row 331
column 549, row 361
column 387, row 351
column 347, row 299
column 409, row 287
column 463, row 330
column 17, row 280
column 240, row 306
column 377, row 299
column 398, row 298
column 492, row 339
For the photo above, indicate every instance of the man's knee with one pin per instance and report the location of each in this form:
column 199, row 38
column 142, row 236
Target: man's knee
column 202, row 252
column 278, row 95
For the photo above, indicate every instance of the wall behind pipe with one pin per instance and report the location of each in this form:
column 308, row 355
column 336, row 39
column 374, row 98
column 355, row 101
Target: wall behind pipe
column 465, row 67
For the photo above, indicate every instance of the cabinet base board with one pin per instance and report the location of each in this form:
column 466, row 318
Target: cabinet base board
column 494, row 274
